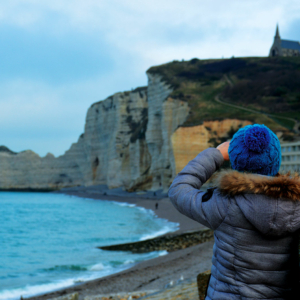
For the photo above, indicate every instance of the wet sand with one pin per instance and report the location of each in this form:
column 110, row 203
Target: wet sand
column 153, row 274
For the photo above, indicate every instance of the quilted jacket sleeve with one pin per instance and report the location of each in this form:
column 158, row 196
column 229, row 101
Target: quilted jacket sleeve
column 188, row 199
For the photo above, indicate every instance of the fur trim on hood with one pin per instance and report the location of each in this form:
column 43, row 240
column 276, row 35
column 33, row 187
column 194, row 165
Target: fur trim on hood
column 281, row 186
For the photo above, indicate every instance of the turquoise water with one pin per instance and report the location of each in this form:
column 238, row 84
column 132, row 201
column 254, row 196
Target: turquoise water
column 48, row 241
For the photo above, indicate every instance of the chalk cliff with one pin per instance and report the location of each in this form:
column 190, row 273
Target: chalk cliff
column 131, row 140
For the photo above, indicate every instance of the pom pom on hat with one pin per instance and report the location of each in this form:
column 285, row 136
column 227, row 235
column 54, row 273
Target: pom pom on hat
column 257, row 138
column 256, row 149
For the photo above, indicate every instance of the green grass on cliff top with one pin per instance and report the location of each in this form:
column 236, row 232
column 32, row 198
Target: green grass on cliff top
column 266, row 85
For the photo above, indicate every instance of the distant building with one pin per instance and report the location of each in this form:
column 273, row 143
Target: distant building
column 284, row 47
column 290, row 159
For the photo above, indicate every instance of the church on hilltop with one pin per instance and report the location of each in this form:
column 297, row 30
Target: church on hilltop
column 284, row 47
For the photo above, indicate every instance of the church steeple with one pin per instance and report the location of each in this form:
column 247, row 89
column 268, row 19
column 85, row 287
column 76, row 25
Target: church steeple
column 277, row 36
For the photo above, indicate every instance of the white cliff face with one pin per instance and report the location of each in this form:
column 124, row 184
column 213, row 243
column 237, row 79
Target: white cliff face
column 26, row 170
column 165, row 115
column 114, row 139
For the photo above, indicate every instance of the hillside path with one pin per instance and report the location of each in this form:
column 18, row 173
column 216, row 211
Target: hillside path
column 217, row 99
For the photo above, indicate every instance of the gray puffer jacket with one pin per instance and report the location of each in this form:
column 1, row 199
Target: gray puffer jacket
column 255, row 220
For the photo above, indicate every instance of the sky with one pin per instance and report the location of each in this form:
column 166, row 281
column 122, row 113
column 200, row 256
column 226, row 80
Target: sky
column 58, row 57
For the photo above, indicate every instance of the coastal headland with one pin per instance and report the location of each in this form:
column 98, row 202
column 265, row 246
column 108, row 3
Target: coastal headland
column 140, row 139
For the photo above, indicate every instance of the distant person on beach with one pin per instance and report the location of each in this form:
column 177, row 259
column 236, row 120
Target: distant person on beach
column 254, row 212
column 156, row 205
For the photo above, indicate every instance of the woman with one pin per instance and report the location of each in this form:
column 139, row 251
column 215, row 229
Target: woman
column 254, row 212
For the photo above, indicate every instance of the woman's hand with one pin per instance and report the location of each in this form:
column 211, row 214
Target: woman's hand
column 223, row 148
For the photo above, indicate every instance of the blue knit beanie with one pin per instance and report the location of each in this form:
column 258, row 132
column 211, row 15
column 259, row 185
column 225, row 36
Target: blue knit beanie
column 255, row 149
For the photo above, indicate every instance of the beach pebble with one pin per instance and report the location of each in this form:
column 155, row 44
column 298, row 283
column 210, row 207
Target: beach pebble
column 119, row 296
column 73, row 296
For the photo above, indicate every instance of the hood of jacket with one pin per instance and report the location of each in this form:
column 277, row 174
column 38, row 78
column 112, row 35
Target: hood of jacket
column 281, row 186
column 271, row 204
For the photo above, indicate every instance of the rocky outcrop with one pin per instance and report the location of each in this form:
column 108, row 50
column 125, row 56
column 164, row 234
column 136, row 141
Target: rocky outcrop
column 131, row 140
column 169, row 242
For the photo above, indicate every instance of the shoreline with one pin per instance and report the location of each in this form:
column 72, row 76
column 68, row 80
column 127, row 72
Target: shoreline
column 165, row 209
column 153, row 274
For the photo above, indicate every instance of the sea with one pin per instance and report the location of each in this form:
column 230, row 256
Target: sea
column 49, row 241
